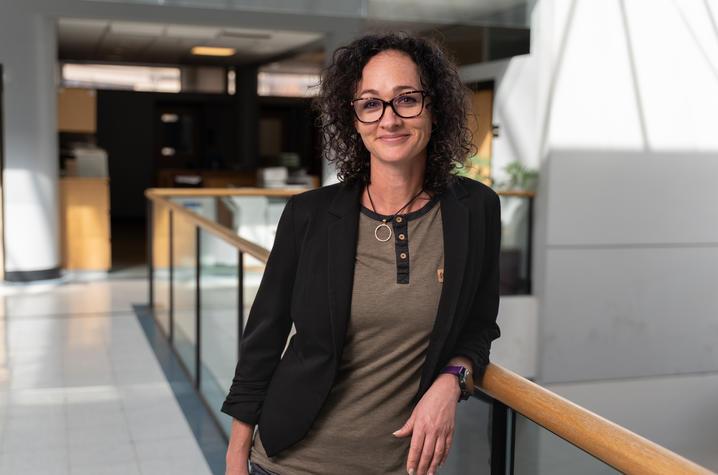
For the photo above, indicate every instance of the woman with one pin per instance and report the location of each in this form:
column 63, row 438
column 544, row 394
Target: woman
column 390, row 278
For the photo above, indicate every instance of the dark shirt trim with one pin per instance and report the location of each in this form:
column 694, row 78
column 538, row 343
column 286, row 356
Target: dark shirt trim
column 401, row 228
column 406, row 217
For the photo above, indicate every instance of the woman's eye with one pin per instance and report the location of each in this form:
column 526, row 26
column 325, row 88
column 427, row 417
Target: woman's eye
column 406, row 100
column 371, row 104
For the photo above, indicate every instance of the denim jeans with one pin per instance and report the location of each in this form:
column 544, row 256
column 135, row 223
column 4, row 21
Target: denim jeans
column 255, row 469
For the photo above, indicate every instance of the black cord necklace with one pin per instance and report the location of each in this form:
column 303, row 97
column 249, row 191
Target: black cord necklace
column 391, row 218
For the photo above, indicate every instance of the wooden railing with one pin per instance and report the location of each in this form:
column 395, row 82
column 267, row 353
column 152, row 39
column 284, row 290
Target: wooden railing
column 614, row 445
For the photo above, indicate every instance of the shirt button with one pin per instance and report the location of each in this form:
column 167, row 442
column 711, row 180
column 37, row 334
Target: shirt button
column 403, row 255
column 401, row 237
column 399, row 219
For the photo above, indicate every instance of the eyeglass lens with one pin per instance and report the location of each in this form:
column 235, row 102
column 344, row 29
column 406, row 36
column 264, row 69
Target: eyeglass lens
column 405, row 105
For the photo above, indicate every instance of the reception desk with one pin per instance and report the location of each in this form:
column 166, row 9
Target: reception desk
column 85, row 223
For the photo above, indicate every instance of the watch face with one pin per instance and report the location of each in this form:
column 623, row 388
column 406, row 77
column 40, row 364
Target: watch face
column 462, row 375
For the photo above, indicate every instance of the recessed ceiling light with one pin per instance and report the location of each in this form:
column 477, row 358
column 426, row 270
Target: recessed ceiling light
column 212, row 51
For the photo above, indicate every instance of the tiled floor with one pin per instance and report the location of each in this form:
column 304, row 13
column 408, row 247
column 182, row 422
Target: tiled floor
column 81, row 391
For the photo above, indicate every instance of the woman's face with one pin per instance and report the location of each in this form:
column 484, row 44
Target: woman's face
column 393, row 139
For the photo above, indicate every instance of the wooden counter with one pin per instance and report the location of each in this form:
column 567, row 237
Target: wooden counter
column 85, row 223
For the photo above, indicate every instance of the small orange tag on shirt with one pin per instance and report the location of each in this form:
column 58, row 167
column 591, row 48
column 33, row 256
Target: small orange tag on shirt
column 440, row 274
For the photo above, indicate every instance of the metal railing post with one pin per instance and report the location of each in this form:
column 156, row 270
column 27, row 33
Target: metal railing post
column 171, row 278
column 501, row 439
column 198, row 308
column 240, row 299
column 150, row 260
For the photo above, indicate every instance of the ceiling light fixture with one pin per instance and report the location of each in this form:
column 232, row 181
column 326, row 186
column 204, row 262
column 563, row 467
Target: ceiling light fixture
column 212, row 51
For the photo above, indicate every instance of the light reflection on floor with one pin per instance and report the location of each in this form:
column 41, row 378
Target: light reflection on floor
column 81, row 391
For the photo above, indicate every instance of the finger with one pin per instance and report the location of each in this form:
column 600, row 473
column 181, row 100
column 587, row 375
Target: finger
column 447, row 447
column 438, row 455
column 406, row 429
column 427, row 453
column 417, row 442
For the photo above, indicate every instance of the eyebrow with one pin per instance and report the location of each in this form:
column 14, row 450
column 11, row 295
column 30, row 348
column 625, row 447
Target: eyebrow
column 396, row 89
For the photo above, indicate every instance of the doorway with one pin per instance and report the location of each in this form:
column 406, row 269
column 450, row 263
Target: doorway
column 480, row 122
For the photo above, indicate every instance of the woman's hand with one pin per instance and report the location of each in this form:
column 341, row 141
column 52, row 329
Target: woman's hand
column 431, row 426
column 238, row 449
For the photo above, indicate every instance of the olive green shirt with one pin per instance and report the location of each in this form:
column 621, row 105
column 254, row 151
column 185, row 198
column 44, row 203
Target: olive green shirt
column 397, row 284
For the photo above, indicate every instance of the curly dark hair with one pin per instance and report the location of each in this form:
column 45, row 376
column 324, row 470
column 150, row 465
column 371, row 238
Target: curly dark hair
column 450, row 142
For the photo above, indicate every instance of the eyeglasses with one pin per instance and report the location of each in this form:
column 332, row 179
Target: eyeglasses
column 406, row 105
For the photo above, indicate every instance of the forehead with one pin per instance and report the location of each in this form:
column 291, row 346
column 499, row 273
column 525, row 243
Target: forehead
column 388, row 70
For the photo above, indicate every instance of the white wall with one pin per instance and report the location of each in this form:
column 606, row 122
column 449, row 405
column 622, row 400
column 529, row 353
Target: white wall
column 629, row 243
column 617, row 105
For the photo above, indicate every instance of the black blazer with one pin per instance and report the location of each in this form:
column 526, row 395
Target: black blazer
column 308, row 282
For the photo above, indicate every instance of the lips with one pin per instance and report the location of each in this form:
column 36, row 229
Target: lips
column 393, row 138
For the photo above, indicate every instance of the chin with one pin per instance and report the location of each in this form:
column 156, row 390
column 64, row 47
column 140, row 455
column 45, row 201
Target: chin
column 395, row 156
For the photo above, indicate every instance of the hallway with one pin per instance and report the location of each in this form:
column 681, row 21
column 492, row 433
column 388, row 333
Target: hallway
column 81, row 390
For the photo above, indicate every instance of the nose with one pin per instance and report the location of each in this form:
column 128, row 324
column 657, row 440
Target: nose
column 389, row 119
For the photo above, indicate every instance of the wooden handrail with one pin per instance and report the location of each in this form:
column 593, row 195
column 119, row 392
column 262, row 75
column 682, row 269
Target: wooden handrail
column 213, row 192
column 274, row 192
column 223, row 232
column 615, row 445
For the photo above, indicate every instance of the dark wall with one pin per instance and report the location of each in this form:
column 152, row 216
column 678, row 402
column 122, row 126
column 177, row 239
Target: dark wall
column 299, row 132
column 125, row 130
column 127, row 127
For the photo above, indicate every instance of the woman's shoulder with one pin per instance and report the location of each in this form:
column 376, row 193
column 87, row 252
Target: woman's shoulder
column 316, row 196
column 462, row 185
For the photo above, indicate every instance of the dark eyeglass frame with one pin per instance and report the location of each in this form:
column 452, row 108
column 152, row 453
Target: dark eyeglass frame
column 389, row 103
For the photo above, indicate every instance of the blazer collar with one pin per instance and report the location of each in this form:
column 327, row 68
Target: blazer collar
column 347, row 199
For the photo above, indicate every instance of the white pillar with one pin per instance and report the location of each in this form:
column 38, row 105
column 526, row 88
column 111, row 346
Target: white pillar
column 28, row 54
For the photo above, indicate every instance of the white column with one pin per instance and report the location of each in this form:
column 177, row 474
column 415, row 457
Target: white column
column 28, row 55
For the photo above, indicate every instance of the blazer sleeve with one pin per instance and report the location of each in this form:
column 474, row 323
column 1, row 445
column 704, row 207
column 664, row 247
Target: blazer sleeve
column 481, row 328
column 268, row 326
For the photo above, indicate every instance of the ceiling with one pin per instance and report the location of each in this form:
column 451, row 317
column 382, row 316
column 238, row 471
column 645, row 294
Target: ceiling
column 135, row 42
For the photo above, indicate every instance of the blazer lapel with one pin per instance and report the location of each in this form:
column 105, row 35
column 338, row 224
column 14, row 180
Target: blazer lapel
column 455, row 224
column 341, row 255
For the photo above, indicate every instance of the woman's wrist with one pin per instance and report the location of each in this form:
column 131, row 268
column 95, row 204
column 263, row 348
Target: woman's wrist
column 452, row 383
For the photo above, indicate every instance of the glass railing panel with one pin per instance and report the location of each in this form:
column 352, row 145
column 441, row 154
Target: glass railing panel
column 538, row 451
column 470, row 452
column 184, row 290
column 219, row 320
column 161, row 266
column 515, row 257
column 202, row 205
column 254, row 218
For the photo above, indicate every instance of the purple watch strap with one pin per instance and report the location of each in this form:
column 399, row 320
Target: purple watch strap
column 452, row 369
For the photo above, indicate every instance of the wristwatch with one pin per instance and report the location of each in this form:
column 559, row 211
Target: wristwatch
column 465, row 380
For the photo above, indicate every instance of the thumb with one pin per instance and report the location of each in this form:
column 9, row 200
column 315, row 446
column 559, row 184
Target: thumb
column 406, row 429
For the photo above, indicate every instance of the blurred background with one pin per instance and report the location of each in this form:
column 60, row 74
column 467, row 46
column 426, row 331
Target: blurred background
column 121, row 314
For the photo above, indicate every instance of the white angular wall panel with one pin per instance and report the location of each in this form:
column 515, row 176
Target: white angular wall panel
column 632, row 199
column 631, row 312
column 593, row 102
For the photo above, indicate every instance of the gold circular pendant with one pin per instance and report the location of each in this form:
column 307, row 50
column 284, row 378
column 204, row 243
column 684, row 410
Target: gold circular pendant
column 387, row 232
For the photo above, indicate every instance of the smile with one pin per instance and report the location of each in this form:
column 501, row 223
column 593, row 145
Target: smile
column 394, row 138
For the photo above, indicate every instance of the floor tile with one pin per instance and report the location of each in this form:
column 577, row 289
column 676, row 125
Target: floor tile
column 81, row 390
column 35, row 462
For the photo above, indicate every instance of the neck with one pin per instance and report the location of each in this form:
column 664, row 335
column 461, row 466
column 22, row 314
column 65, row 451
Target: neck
column 393, row 184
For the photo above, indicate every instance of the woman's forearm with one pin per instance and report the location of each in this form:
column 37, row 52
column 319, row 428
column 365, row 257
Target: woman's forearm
column 240, row 442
